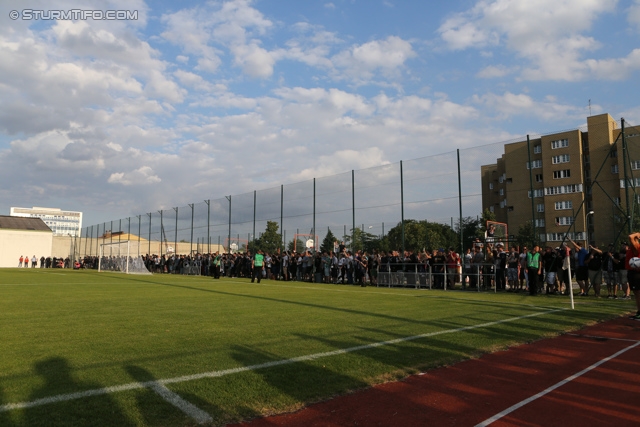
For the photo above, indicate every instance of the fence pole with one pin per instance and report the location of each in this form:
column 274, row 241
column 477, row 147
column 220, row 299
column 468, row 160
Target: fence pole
column 254, row 220
column 402, row 204
column 208, row 202
column 315, row 240
column 460, row 205
column 191, row 247
column 626, row 180
column 161, row 232
column 139, row 232
column 175, row 247
column 533, row 210
column 353, row 207
column 229, row 241
column 150, row 214
column 282, row 232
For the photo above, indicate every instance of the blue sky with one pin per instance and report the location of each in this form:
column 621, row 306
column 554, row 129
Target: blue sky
column 115, row 118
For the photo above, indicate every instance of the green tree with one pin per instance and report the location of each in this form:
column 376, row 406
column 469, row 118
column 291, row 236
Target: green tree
column 327, row 242
column 526, row 234
column 269, row 241
column 296, row 245
column 419, row 235
column 472, row 228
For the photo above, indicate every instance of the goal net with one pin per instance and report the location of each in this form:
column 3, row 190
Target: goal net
column 117, row 257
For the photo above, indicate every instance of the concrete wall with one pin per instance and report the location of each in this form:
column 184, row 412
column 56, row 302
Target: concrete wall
column 16, row 243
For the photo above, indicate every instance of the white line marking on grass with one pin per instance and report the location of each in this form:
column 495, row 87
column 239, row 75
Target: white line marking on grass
column 553, row 387
column 216, row 374
column 191, row 410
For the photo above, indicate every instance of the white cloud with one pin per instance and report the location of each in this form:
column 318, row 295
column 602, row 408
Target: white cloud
column 387, row 55
column 495, row 71
column 547, row 33
column 204, row 31
column 633, row 14
column 141, row 176
column 509, row 105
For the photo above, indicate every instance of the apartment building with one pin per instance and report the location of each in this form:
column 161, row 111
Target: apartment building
column 559, row 179
column 62, row 223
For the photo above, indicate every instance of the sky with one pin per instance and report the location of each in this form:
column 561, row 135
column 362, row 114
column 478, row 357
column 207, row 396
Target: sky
column 197, row 100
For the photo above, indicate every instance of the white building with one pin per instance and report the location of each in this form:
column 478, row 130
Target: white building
column 62, row 223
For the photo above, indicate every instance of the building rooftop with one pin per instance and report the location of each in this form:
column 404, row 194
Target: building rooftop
column 20, row 223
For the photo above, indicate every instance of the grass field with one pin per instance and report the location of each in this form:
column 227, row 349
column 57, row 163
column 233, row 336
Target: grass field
column 83, row 348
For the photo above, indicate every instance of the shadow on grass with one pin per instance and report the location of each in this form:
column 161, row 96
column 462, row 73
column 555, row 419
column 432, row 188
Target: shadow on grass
column 302, row 382
column 57, row 379
column 154, row 410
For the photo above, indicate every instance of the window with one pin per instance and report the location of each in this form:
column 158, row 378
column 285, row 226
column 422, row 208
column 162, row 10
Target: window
column 536, row 193
column 566, row 173
column 565, row 204
column 535, row 164
column 540, row 207
column 561, row 143
column 616, row 200
column 501, row 180
column 537, row 149
column 510, row 208
column 564, row 220
column 502, row 191
column 540, row 223
column 614, row 154
column 563, row 158
column 563, row 189
column 614, row 169
column 538, row 177
column 491, row 209
column 635, row 164
column 632, row 183
column 491, row 186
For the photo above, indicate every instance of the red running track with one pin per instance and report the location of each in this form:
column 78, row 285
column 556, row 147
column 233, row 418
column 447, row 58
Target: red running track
column 473, row 391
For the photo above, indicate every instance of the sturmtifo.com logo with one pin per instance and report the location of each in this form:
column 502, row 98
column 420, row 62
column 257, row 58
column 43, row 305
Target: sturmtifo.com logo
column 74, row 14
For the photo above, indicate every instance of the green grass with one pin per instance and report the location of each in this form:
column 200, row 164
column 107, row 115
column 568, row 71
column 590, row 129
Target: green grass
column 70, row 331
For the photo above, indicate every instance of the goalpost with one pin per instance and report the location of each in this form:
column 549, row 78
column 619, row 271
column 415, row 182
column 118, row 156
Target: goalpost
column 116, row 257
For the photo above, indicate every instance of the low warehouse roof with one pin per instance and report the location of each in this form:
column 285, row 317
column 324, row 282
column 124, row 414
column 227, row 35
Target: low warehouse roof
column 20, row 223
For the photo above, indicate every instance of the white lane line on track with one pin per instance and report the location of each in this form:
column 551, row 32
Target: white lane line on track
column 216, row 374
column 519, row 405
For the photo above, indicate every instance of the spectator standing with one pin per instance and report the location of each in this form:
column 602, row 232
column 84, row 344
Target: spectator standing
column 34, row 262
column 534, row 269
column 633, row 274
column 594, row 265
column 582, row 271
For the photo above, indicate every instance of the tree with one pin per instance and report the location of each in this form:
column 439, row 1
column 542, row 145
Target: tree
column 419, row 235
column 526, row 234
column 327, row 242
column 269, row 241
column 472, row 228
column 295, row 245
column 362, row 241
